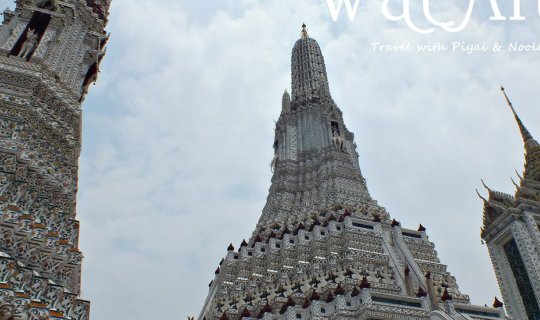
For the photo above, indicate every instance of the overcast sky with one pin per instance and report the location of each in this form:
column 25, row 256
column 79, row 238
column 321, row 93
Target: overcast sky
column 178, row 135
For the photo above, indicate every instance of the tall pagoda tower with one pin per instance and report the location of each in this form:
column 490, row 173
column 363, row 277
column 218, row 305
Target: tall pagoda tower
column 50, row 52
column 323, row 247
column 511, row 232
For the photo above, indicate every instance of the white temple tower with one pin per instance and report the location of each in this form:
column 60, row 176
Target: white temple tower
column 49, row 55
column 323, row 248
column 512, row 236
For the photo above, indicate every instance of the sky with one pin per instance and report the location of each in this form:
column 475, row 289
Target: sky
column 177, row 135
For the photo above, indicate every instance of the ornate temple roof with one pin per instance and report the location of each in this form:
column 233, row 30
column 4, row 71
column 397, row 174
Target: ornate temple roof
column 500, row 206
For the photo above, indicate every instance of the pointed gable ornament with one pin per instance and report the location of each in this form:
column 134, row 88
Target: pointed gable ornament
column 421, row 293
column 497, row 303
column 365, row 283
column 446, row 296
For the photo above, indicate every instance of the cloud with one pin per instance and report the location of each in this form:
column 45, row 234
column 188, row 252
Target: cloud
column 178, row 137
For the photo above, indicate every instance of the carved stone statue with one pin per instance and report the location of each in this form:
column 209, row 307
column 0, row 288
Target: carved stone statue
column 289, row 289
column 386, row 276
column 306, row 286
column 341, row 277
column 29, row 44
column 372, row 275
column 338, row 141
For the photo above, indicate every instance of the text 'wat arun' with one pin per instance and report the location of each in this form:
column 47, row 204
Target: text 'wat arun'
column 323, row 248
column 49, row 55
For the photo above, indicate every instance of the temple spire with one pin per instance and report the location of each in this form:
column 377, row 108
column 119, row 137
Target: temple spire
column 286, row 102
column 532, row 148
column 527, row 137
column 317, row 202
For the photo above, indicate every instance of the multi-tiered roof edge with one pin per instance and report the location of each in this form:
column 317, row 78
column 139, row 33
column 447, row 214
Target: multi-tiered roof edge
column 323, row 248
column 49, row 55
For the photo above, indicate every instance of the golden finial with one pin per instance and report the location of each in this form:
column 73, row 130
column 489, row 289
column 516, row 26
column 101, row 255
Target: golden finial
column 304, row 31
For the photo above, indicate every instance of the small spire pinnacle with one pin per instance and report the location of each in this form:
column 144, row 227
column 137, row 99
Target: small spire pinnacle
column 479, row 195
column 524, row 132
column 532, row 162
column 519, row 176
column 485, row 186
column 286, row 101
column 515, row 184
column 304, row 31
